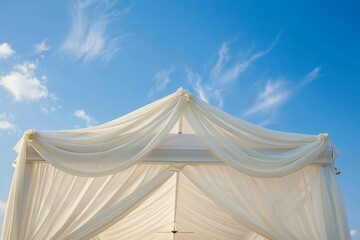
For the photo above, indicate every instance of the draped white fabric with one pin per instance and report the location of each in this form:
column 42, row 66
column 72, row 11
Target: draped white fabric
column 236, row 143
column 106, row 149
column 63, row 206
column 96, row 186
column 215, row 202
column 197, row 217
column 297, row 206
column 114, row 146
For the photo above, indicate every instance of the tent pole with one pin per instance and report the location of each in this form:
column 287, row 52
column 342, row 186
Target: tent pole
column 176, row 203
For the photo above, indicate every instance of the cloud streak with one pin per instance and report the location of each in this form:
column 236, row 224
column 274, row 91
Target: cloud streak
column 271, row 97
column 88, row 38
column 195, row 80
column 23, row 84
column 310, row 76
column 162, row 79
column 41, row 47
column 223, row 73
column 278, row 92
column 90, row 121
column 6, row 51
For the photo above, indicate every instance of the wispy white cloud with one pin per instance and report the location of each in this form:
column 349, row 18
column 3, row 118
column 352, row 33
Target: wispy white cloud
column 278, row 92
column 90, row 121
column 23, row 84
column 6, row 50
column 53, row 96
column 271, row 97
column 195, row 80
column 223, row 73
column 2, row 207
column 223, row 58
column 50, row 107
column 310, row 76
column 6, row 124
column 88, row 38
column 162, row 79
column 47, row 109
column 41, row 47
column 353, row 232
column 268, row 121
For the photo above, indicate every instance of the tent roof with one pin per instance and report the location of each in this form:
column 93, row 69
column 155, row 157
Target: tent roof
column 180, row 138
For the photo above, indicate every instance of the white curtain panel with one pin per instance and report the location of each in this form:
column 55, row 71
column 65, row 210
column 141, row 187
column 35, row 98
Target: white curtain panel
column 301, row 205
column 153, row 216
column 198, row 214
column 63, row 206
column 197, row 217
column 214, row 202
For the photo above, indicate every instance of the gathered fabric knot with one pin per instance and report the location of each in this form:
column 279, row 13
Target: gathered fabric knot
column 323, row 136
column 29, row 136
column 184, row 93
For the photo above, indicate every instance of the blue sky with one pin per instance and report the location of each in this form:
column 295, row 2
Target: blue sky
column 286, row 65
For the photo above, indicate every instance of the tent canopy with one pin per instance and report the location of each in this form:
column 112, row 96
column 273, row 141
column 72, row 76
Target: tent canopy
column 177, row 168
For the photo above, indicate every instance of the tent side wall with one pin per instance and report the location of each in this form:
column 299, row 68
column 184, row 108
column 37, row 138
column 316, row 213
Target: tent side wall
column 302, row 205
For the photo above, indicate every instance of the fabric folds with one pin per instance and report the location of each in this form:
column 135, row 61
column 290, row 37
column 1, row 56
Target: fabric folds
column 62, row 206
column 92, row 183
column 229, row 139
column 114, row 146
column 296, row 206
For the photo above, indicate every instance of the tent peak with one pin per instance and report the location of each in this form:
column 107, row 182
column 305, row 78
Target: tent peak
column 184, row 93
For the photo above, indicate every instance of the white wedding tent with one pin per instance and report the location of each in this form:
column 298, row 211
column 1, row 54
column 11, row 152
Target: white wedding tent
column 177, row 168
